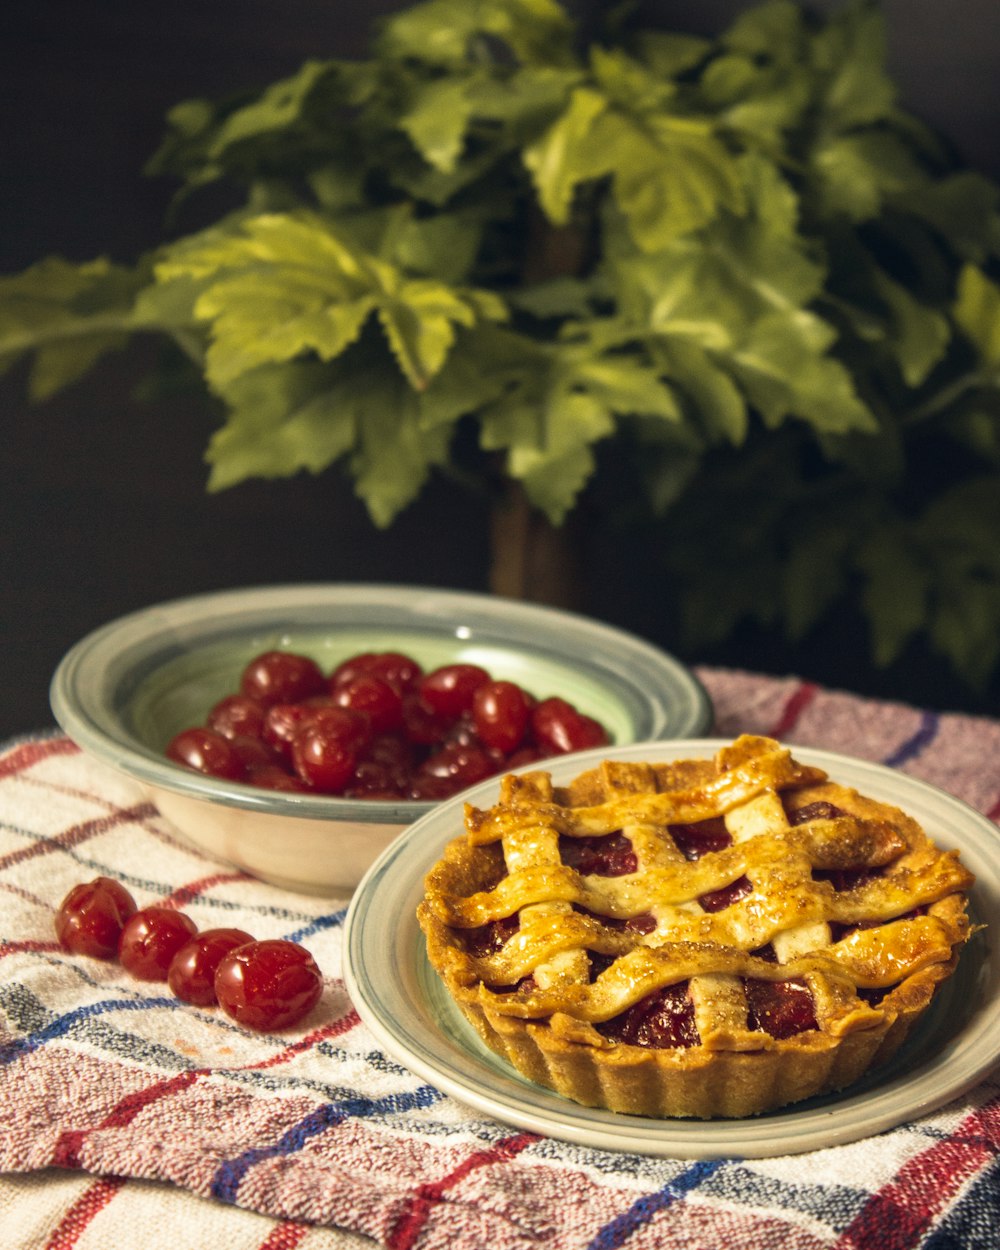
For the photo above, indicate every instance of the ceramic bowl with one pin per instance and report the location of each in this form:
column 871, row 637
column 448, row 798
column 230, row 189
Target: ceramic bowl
column 123, row 691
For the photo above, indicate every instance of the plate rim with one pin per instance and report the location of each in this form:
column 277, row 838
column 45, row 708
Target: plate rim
column 835, row 1120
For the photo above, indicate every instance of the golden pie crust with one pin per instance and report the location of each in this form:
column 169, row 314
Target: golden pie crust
column 767, row 935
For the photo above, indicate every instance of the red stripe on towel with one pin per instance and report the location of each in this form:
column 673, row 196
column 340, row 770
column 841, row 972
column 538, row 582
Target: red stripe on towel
column 796, row 704
column 186, row 893
column 74, row 1223
column 28, row 754
column 900, row 1213
column 285, row 1236
column 407, row 1228
column 79, row 833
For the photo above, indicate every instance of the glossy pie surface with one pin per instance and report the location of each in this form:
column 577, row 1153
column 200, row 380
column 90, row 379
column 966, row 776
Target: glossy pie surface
column 708, row 937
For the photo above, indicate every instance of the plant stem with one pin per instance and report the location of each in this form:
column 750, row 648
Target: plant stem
column 532, row 559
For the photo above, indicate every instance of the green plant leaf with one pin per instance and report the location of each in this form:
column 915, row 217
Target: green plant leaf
column 896, row 592
column 554, row 472
column 772, row 31
column 669, row 54
column 440, row 32
column 977, row 311
column 719, row 405
column 627, row 386
column 712, row 292
column 437, row 120
column 787, row 373
column 549, row 419
column 281, row 287
column 964, row 209
column 958, row 531
column 419, row 318
column 917, row 335
column 856, row 173
column 670, row 173
column 68, row 316
column 760, row 103
column 396, row 449
column 277, row 108
column 281, row 419
column 849, row 58
column 557, row 161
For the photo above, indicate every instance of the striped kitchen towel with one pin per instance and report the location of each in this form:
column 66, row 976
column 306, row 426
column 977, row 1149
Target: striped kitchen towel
column 127, row 1117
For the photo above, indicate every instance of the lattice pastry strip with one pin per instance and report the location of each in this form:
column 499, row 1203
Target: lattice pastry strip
column 668, row 918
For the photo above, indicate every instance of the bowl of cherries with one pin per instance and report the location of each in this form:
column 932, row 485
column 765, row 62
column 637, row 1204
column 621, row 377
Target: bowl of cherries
column 294, row 731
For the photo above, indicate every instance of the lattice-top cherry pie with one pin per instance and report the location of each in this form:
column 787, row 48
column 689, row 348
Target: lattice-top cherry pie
column 709, row 937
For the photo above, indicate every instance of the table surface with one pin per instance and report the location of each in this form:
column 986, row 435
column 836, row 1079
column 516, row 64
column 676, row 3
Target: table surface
column 130, row 1118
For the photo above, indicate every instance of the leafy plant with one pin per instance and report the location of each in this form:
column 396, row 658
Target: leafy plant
column 725, row 290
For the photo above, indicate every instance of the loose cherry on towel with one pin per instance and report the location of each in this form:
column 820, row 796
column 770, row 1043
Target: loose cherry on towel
column 150, row 940
column 192, row 970
column 264, row 985
column 268, row 985
column 91, row 917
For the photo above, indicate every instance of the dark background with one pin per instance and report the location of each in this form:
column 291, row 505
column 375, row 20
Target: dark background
column 102, row 500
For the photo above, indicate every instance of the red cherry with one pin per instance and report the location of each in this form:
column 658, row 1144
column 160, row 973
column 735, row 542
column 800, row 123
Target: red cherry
column 268, row 985
column 380, row 702
column 281, row 677
column 150, row 940
column 448, row 690
column 191, row 975
column 399, row 670
column 326, row 749
column 282, row 721
column 559, row 728
column 252, row 753
column 501, row 711
column 451, row 769
column 421, row 726
column 237, row 716
column 206, row 751
column 274, row 777
column 91, row 917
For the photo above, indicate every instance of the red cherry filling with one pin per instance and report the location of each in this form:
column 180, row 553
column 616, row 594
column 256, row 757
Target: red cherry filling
column 525, row 983
column 820, row 810
column 665, row 1018
column 662, row 1020
column 717, row 900
column 645, row 922
column 698, row 839
column 779, row 1008
column 608, row 855
column 489, row 939
column 847, row 878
